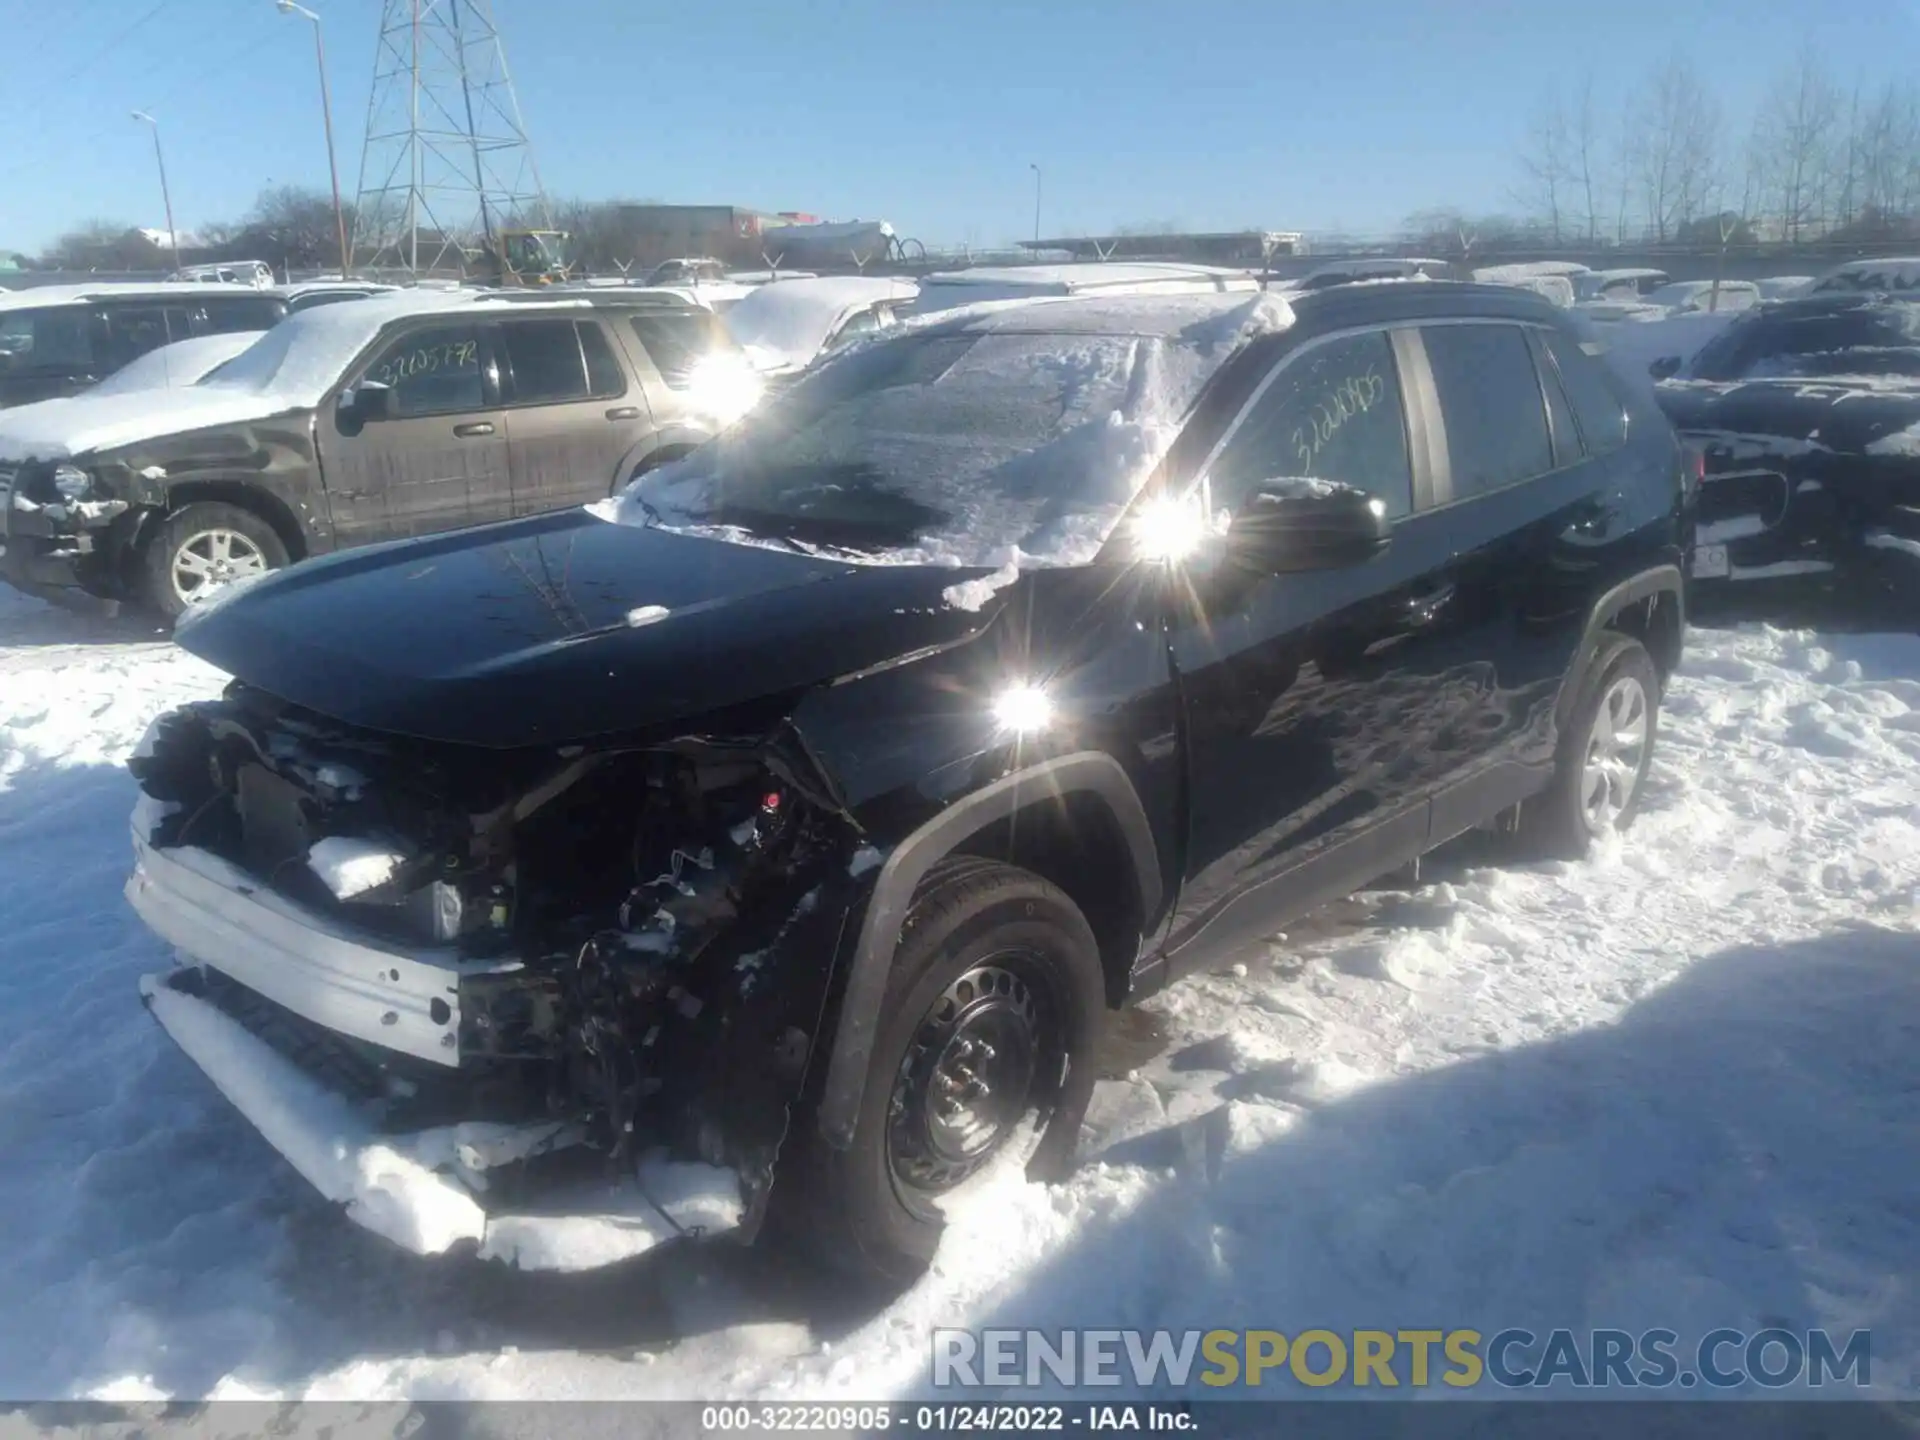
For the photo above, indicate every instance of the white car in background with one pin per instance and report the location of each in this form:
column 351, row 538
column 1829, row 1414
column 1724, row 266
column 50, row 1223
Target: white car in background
column 1687, row 297
column 1625, row 284
column 1371, row 267
column 784, row 327
column 953, row 288
column 1545, row 277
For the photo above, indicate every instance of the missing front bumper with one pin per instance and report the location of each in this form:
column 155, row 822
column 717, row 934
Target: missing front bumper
column 428, row 1191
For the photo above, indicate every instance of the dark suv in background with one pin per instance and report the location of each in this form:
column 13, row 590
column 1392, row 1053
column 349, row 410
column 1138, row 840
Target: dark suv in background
column 57, row 340
column 730, row 844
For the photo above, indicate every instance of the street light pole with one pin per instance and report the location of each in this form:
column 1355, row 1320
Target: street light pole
column 288, row 7
column 1035, row 167
column 173, row 234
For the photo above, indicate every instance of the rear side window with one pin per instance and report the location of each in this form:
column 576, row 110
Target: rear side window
column 134, row 330
column 248, row 312
column 1566, row 435
column 545, row 360
column 1490, row 396
column 1332, row 412
column 678, row 340
column 1603, row 420
column 604, row 374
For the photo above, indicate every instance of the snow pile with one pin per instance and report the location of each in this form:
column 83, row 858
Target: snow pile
column 1672, row 1085
column 783, row 326
column 384, row 1189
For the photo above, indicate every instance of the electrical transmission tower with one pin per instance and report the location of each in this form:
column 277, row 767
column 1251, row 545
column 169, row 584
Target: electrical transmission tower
column 447, row 161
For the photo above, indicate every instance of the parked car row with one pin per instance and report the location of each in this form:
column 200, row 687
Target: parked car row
column 97, row 488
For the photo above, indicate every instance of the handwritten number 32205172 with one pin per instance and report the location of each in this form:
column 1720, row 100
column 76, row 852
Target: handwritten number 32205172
column 1352, row 396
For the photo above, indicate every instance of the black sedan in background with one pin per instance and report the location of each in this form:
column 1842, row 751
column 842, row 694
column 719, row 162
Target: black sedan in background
column 1807, row 414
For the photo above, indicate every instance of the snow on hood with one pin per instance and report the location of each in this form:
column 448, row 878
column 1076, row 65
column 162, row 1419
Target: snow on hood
column 184, row 362
column 1124, row 372
column 289, row 367
column 784, row 325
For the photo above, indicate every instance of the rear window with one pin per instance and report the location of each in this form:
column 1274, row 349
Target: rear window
column 678, row 340
column 1490, row 396
column 1603, row 419
column 242, row 312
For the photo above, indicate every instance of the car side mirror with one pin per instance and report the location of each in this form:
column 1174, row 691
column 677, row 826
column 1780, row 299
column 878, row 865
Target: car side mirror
column 359, row 404
column 1290, row 525
column 1665, row 368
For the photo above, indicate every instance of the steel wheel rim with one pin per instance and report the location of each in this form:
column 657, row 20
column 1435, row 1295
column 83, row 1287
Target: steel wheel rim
column 967, row 1079
column 209, row 559
column 1616, row 752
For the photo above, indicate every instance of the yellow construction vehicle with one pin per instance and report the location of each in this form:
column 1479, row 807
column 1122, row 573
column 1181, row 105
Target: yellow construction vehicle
column 527, row 257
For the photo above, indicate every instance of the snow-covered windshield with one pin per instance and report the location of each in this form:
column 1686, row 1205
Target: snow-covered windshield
column 944, row 447
column 1866, row 340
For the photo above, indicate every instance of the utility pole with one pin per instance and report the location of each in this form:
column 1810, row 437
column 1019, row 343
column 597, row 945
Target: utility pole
column 288, row 7
column 166, row 198
column 446, row 160
column 1035, row 167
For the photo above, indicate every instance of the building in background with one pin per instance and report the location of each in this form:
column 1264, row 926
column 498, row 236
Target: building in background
column 1225, row 247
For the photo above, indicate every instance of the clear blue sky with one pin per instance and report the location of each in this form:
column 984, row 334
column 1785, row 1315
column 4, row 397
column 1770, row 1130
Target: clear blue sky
column 1216, row 113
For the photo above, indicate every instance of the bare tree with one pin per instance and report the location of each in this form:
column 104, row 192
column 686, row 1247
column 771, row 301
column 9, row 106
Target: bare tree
column 1671, row 145
column 1546, row 163
column 1796, row 128
column 1585, row 144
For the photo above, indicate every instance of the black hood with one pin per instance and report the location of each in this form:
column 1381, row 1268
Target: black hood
column 1835, row 415
column 548, row 631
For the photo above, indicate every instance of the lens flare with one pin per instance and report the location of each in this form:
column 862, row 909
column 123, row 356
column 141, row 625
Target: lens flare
column 1170, row 529
column 1023, row 709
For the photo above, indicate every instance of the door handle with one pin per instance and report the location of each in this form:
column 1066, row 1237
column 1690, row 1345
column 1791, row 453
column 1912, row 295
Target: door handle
column 468, row 432
column 624, row 412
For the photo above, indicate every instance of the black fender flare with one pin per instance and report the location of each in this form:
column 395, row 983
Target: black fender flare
column 1091, row 772
column 1662, row 580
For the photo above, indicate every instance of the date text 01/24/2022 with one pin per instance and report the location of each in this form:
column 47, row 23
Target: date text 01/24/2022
column 942, row 1419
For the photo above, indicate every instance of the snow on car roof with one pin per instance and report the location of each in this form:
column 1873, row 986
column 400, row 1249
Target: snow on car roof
column 787, row 323
column 1200, row 319
column 1090, row 274
column 1630, row 272
column 36, row 297
column 1900, row 272
column 182, row 363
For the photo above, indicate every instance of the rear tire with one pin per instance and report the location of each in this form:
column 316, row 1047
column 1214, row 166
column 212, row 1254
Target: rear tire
column 991, row 1014
column 1600, row 773
column 201, row 547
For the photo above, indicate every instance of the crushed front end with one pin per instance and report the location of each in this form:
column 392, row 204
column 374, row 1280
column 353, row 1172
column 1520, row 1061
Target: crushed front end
column 557, row 1003
column 65, row 530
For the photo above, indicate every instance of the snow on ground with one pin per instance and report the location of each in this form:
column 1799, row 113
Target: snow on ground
column 1678, row 1084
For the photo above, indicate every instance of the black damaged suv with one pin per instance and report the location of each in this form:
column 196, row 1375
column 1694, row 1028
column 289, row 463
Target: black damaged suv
column 736, row 844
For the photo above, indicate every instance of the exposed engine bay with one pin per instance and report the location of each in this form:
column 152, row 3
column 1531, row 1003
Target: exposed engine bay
column 631, row 946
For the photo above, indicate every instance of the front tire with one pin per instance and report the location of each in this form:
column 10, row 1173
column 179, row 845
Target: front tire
column 202, row 547
column 991, row 1015
column 1600, row 773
